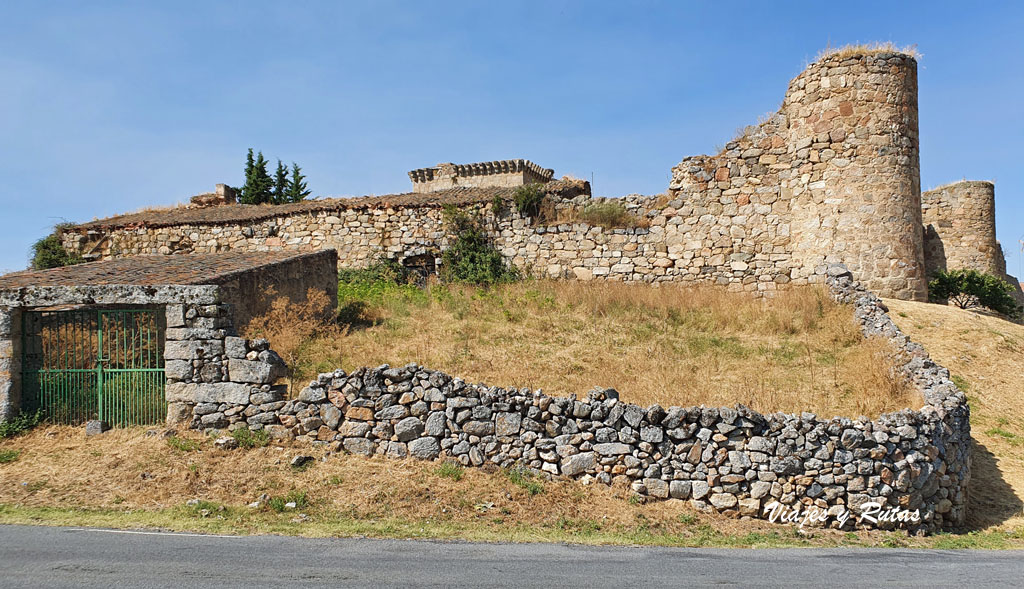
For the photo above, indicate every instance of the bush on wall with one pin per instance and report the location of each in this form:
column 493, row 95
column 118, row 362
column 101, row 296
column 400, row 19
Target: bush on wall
column 969, row 288
column 49, row 253
column 471, row 257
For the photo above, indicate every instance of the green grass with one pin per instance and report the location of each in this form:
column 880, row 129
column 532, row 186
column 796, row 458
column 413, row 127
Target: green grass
column 961, row 383
column 525, row 479
column 332, row 523
column 7, row 456
column 1006, row 435
column 299, row 498
column 183, row 444
column 450, row 470
column 249, row 439
column 20, row 424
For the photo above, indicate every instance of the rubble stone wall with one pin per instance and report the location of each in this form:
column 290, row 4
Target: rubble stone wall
column 732, row 460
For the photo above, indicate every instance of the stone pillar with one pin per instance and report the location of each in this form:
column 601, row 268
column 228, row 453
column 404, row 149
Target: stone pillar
column 855, row 180
column 10, row 362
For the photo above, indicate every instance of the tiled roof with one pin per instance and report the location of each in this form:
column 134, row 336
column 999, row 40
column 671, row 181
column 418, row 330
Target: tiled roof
column 230, row 214
column 190, row 269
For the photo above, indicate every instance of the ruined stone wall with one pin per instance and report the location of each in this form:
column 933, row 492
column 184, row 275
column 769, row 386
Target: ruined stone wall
column 732, row 460
column 832, row 177
column 251, row 294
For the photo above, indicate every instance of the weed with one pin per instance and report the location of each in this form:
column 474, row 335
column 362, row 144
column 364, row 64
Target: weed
column 335, row 479
column 687, row 519
column 451, row 470
column 961, row 383
column 610, row 215
column 299, row 498
column 20, row 424
column 183, row 444
column 249, row 439
column 7, row 456
column 522, row 477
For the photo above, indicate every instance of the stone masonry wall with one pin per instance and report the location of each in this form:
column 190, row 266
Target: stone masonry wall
column 832, row 177
column 960, row 231
column 960, row 227
column 732, row 460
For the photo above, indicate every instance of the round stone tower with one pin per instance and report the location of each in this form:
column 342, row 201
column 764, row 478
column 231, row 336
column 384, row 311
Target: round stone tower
column 855, row 181
column 960, row 228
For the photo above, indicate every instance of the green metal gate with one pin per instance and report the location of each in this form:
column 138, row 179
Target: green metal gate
column 94, row 364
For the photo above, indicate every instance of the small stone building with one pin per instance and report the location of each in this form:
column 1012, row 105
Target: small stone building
column 497, row 174
column 143, row 339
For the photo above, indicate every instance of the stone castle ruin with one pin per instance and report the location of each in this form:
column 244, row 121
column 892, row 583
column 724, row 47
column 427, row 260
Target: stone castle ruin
column 827, row 190
column 832, row 177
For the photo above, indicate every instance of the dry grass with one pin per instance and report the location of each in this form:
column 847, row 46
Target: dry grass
column 669, row 345
column 611, row 215
column 855, row 49
column 985, row 354
column 127, row 478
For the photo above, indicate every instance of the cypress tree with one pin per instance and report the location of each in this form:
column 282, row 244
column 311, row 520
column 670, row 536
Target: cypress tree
column 244, row 193
column 297, row 185
column 281, row 184
column 259, row 186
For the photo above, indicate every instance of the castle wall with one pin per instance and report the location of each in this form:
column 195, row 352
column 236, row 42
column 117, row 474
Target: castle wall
column 832, row 177
column 960, row 228
column 854, row 176
column 842, row 155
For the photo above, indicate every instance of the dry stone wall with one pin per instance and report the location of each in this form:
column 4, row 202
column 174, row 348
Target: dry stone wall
column 732, row 460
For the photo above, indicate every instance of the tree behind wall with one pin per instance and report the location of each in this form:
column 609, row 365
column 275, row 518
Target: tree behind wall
column 280, row 184
column 296, row 185
column 259, row 186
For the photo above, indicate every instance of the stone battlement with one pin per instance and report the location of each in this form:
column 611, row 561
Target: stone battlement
column 504, row 173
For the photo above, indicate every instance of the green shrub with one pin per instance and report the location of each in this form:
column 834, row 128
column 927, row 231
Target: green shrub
column 610, row 215
column 249, row 439
column 528, row 199
column 7, row 456
column 49, row 253
column 970, row 288
column 471, row 257
column 20, row 424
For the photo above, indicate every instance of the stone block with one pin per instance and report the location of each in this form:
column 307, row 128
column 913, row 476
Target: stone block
column 190, row 350
column 175, row 316
column 578, row 464
column 178, row 370
column 181, row 392
column 235, row 347
column 223, row 392
column 95, row 427
column 507, row 424
column 425, row 448
column 253, row 372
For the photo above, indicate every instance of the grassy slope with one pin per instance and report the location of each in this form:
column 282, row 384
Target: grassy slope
column 127, row 478
column 670, row 346
column 985, row 354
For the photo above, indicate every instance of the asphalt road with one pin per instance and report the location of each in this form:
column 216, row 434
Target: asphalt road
column 72, row 557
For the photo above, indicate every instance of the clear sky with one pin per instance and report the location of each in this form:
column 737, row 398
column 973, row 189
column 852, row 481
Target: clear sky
column 107, row 107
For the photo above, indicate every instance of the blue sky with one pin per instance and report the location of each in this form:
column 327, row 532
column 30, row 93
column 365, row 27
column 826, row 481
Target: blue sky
column 110, row 107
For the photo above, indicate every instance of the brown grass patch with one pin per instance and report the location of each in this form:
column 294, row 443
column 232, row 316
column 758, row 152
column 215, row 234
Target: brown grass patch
column 856, row 49
column 797, row 351
column 128, row 478
column 985, row 355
